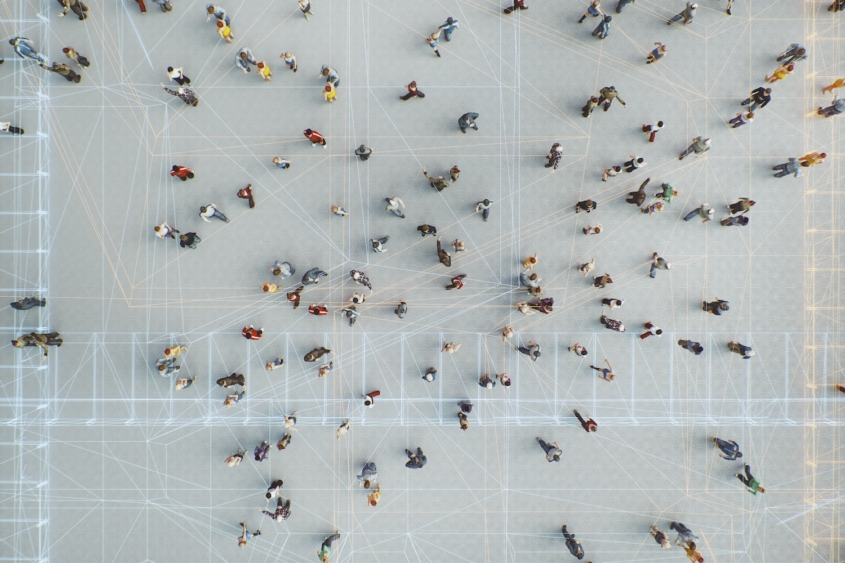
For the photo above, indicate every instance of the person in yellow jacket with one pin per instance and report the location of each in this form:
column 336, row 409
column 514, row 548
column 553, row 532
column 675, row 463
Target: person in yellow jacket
column 329, row 92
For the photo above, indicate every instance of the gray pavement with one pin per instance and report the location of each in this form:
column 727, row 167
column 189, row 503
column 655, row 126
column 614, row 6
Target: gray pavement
column 105, row 462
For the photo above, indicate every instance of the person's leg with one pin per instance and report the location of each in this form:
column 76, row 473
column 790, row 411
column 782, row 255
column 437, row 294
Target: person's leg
column 406, row 97
column 220, row 216
column 690, row 215
column 653, row 272
column 748, row 472
column 328, row 541
column 485, row 214
column 753, row 107
column 781, row 174
column 580, row 419
column 544, row 445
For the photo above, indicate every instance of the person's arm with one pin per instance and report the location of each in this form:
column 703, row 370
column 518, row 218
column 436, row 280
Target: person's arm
column 608, row 364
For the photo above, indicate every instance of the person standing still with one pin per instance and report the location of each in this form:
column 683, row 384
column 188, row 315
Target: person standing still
column 412, row 92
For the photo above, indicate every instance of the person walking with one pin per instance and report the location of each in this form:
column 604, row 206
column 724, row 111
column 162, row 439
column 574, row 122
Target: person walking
column 330, row 75
column 290, row 60
column 457, row 282
column 329, row 92
column 811, row 159
column 369, row 475
column 39, row 339
column 792, row 167
column 742, row 206
column 27, row 303
column 687, row 15
column 246, row 193
column 694, row 347
column 729, row 448
column 483, row 207
column 439, row 183
column 7, row 127
column 361, row 279
column 210, row 210
column 573, row 545
column 430, row 374
column 517, row 4
column 658, row 263
column 586, row 205
column 554, row 156
column 295, row 296
column 164, row 230
column 315, row 137
column 244, row 59
column 742, row 118
column 454, row 173
column 313, row 276
column 606, row 373
column 166, row 366
column 270, row 287
column 716, row 307
column 587, row 267
column 427, row 229
column 621, row 4
column 284, row 442
column 592, row 230
column 282, row 269
column 578, row 349
column 634, row 164
column 316, row 354
column 395, row 206
column 607, row 95
column 326, row 547
column 412, row 92
column 611, row 324
column 661, row 538
column 339, row 211
column 246, row 535
column 305, row 8
column 780, row 73
column 264, row 71
column 449, row 27
column 737, row 221
column 588, row 108
column 415, row 460
column 218, row 12
column 232, row 380
column 602, row 281
column 363, row 152
column 603, row 29
column 699, row 146
column 651, row 330
column 64, row 70
column 76, row 6
column 837, row 6
column 652, row 130
column 251, row 333
column 794, row 53
column 432, row 42
column 485, row 381
column 638, row 197
column 189, row 240
column 668, row 192
column 589, row 425
column 401, row 310
column 529, row 279
column 836, row 107
column 379, row 244
column 275, row 363
column 318, row 310
column 450, row 347
column 261, row 451
column 224, row 31
column 25, row 49
column 235, row 459
column 594, row 10
column 182, row 173
column 71, row 53
column 463, row 420
column 553, row 451
column 684, row 533
column 532, row 350
column 185, row 94
column 442, row 254
column 705, row 212
column 176, row 75
column 745, row 351
column 282, row 510
column 467, row 121
column 656, row 54
column 758, row 98
column 751, row 483
column 839, row 83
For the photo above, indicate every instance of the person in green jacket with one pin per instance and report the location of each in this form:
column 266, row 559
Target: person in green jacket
column 668, row 193
column 326, row 548
column 752, row 484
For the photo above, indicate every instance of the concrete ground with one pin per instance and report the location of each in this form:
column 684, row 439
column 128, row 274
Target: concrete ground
column 103, row 461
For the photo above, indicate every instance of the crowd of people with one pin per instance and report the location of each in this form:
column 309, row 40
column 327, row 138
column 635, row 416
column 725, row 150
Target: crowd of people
column 235, row 384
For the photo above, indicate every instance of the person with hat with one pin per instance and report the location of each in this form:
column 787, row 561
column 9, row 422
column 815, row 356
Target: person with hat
column 432, row 42
column 486, row 382
column 290, row 60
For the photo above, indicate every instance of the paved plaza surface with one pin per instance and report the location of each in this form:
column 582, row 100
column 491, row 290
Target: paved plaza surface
column 100, row 460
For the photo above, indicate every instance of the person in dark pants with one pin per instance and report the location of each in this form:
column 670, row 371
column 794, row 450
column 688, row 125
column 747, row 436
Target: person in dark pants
column 752, row 483
column 457, row 282
column 316, row 354
column 589, row 425
column 42, row 340
column 182, row 173
column 837, row 6
column 467, row 121
column 532, row 350
column 837, row 106
column 232, row 380
column 737, row 221
column 427, row 230
column 553, row 451
column 75, row 6
column 401, row 310
column 443, row 255
column 71, row 53
column 794, row 53
column 64, row 70
column 363, row 152
column 745, row 351
column 660, row 537
column 607, row 95
column 412, row 92
column 554, row 156
column 634, row 164
column 313, row 276
column 189, row 240
column 729, row 448
column 521, row 5
column 586, row 205
column 415, row 460
column 440, row 183
column 326, row 548
column 759, row 98
column 185, row 94
column 694, row 347
column 638, row 197
column 484, row 208
column 603, row 29
column 28, row 303
column 742, row 206
column 716, row 307
column 687, row 15
column 591, row 104
column 177, row 76
column 573, row 545
column 792, row 167
column 684, row 533
column 246, row 193
column 315, row 137
column 621, row 4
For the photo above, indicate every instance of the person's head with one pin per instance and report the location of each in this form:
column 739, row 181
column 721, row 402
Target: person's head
column 325, row 557
column 800, row 51
column 183, row 237
column 790, row 68
column 711, row 211
column 449, row 20
column 175, row 168
column 162, row 367
column 260, row 64
column 308, row 132
column 366, row 483
column 693, row 6
column 210, row 9
column 66, row 50
column 429, row 376
column 823, row 155
column 707, row 142
column 489, row 385
column 767, row 91
column 608, row 19
column 658, row 332
column 532, row 277
column 724, row 306
column 640, row 160
column 761, row 489
column 328, row 87
column 17, row 343
column 373, row 500
column 157, row 229
column 433, row 36
column 268, row 495
column 486, row 202
column 556, row 457
column 287, row 55
column 325, row 72
column 413, row 84
column 241, row 542
column 220, row 23
column 537, row 354
column 170, row 69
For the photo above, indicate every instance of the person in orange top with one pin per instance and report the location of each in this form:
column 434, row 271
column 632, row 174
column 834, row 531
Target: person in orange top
column 812, row 158
column 838, row 84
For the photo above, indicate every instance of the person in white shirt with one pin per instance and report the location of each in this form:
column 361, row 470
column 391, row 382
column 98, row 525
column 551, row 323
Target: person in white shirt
column 176, row 75
column 210, row 210
column 164, row 230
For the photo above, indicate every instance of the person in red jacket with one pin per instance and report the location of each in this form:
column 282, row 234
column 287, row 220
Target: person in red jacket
column 246, row 193
column 319, row 310
column 457, row 282
column 589, row 424
column 250, row 333
column 314, row 137
column 181, row 172
column 412, row 92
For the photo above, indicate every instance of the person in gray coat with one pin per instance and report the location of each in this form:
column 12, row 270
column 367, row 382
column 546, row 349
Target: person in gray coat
column 792, row 167
column 244, row 59
column 553, row 451
column 687, row 15
column 368, row 476
column 467, row 121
